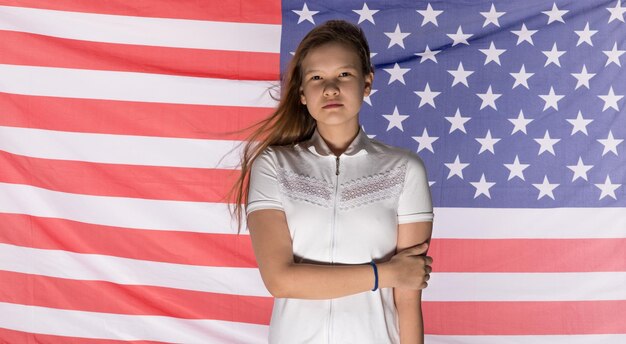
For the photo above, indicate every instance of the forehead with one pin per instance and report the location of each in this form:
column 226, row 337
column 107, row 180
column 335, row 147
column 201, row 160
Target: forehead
column 329, row 56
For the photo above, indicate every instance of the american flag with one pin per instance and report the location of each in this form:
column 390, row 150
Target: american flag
column 118, row 144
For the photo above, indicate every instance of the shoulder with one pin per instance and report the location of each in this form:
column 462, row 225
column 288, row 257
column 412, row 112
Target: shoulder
column 398, row 154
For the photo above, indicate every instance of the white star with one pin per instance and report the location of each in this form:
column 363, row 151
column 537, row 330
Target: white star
column 425, row 141
column 397, row 37
column 610, row 144
column 460, row 75
column 489, row 98
column 372, row 55
column 430, row 183
column 547, row 144
column 492, row 54
column 545, row 188
column 368, row 135
column 428, row 55
column 430, row 15
column 583, row 78
column 613, row 55
column 459, row 37
column 516, row 169
column 610, row 99
column 553, row 56
column 458, row 122
column 580, row 170
column 524, row 35
column 551, row 99
column 584, row 36
column 427, row 96
column 305, row 14
column 521, row 77
column 456, row 168
column 482, row 187
column 555, row 14
column 608, row 189
column 367, row 98
column 580, row 124
column 520, row 123
column 487, row 142
column 492, row 16
column 617, row 12
column 396, row 73
column 365, row 14
column 395, row 119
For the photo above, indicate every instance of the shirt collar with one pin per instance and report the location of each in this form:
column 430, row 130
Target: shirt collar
column 360, row 145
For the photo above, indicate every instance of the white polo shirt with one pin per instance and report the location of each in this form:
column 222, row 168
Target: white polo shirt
column 340, row 210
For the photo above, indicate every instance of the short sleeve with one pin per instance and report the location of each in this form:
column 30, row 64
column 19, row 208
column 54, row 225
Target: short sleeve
column 263, row 192
column 415, row 203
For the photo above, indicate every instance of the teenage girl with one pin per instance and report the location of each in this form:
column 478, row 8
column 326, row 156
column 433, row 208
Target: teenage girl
column 340, row 223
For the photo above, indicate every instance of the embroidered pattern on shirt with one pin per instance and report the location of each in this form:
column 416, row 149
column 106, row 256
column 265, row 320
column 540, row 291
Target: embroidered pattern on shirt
column 370, row 189
column 304, row 188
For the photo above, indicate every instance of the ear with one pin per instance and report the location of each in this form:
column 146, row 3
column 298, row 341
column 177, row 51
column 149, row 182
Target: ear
column 369, row 79
column 302, row 97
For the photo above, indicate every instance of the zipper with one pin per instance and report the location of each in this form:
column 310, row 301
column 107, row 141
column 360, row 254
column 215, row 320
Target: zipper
column 332, row 244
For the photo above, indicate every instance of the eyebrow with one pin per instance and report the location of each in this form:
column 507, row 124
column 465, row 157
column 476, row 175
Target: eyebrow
column 342, row 67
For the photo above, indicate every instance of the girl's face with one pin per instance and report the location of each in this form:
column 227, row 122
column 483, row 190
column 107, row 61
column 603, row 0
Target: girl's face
column 333, row 85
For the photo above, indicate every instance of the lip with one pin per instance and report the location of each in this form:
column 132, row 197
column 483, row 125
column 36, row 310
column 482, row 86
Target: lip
column 332, row 105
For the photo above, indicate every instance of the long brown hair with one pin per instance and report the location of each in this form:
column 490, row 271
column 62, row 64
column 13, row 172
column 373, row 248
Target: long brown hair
column 291, row 122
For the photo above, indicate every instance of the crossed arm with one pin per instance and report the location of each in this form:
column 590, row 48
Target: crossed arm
column 272, row 246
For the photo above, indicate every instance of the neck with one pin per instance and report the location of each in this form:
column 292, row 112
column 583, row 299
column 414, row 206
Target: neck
column 338, row 138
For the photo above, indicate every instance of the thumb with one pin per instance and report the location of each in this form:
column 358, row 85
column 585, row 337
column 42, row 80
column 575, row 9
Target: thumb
column 419, row 249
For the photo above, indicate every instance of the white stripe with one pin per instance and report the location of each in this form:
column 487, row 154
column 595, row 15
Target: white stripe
column 123, row 212
column 132, row 86
column 181, row 33
column 560, row 286
column 95, row 267
column 590, row 286
column 554, row 223
column 121, row 149
column 527, row 339
column 567, row 223
column 72, row 323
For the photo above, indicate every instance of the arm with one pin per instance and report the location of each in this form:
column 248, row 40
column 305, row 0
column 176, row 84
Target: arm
column 284, row 278
column 408, row 302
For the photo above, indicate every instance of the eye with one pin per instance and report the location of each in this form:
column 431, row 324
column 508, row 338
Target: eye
column 345, row 74
column 316, row 77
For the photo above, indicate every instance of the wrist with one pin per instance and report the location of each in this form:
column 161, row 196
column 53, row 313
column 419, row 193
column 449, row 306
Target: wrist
column 386, row 276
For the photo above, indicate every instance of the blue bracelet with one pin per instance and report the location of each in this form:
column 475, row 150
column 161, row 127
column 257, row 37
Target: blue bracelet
column 375, row 275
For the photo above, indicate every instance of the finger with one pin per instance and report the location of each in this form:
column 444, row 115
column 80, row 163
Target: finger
column 428, row 260
column 428, row 269
column 426, row 277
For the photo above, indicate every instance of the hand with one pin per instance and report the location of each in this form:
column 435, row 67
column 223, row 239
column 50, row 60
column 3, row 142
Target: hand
column 411, row 268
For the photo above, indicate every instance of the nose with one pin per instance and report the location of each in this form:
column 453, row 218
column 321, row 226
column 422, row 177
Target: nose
column 331, row 90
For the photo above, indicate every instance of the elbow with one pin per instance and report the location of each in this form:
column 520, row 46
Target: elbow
column 279, row 283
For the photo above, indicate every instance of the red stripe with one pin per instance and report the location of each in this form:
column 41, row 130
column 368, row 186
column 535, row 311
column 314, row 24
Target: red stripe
column 226, row 250
column 15, row 337
column 18, row 48
column 525, row 318
column 128, row 118
column 528, row 255
column 236, row 250
column 136, row 181
column 252, row 11
column 132, row 300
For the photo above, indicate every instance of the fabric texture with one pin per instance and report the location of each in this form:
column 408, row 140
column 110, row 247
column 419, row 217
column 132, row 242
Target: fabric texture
column 349, row 217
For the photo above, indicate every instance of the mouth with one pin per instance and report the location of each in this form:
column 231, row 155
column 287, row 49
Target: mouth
column 330, row 106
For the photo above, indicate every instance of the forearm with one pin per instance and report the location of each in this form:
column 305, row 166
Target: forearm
column 408, row 304
column 310, row 281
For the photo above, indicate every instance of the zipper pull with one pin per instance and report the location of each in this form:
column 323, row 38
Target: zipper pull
column 337, row 171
